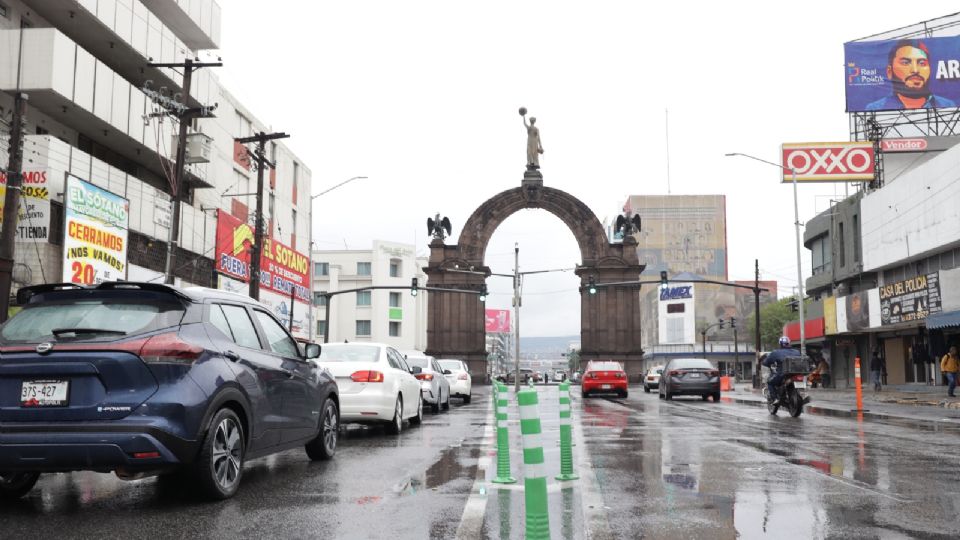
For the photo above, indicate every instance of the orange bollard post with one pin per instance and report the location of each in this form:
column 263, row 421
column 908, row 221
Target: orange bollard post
column 856, row 374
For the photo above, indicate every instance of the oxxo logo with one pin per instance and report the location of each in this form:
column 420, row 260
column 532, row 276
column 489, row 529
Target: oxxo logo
column 840, row 161
column 675, row 293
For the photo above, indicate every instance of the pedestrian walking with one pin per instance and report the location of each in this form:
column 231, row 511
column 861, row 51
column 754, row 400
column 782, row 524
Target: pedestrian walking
column 877, row 366
column 950, row 366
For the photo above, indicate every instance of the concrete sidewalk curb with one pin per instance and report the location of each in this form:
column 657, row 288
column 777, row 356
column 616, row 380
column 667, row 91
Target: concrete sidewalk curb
column 830, row 397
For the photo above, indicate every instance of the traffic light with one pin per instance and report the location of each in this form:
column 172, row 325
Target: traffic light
column 721, row 323
column 483, row 292
column 592, row 286
column 794, row 305
column 733, row 322
column 663, row 278
column 413, row 287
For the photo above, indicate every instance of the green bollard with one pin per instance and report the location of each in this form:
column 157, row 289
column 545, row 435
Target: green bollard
column 503, row 440
column 566, row 435
column 534, row 469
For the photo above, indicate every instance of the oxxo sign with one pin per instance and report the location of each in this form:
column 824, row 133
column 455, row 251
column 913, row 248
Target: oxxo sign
column 675, row 293
column 828, row 162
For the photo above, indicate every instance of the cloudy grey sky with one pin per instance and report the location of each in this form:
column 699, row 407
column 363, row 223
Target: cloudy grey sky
column 422, row 98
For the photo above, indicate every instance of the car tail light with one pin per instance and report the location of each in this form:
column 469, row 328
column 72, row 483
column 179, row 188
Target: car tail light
column 673, row 373
column 165, row 348
column 713, row 373
column 650, row 377
column 424, row 376
column 462, row 377
column 146, row 455
column 798, row 378
column 366, row 376
column 619, row 374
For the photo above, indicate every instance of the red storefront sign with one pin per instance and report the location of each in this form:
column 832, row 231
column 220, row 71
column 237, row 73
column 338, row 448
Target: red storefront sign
column 282, row 269
column 497, row 321
column 813, row 329
column 828, row 162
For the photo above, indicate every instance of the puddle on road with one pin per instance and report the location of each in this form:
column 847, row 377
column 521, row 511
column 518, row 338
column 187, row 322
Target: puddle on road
column 446, row 469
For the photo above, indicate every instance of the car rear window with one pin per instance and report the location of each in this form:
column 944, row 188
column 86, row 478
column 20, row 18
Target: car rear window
column 452, row 365
column 420, row 362
column 691, row 363
column 349, row 353
column 116, row 315
column 604, row 366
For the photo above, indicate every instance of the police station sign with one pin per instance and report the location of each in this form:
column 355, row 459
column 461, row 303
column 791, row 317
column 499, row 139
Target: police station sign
column 828, row 161
column 95, row 234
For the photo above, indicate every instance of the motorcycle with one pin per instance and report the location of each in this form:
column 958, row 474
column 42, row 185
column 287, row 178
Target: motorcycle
column 789, row 395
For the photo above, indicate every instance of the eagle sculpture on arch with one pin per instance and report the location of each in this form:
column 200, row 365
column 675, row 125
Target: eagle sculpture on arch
column 628, row 225
column 439, row 228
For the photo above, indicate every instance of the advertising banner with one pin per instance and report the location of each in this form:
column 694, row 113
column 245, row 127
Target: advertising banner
column 282, row 269
column 830, row 315
column 857, row 310
column 893, row 75
column 279, row 305
column 910, row 299
column 497, row 321
column 828, row 161
column 33, row 223
column 95, row 234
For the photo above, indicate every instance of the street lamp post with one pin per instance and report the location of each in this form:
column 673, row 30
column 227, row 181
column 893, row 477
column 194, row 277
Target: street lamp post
column 796, row 223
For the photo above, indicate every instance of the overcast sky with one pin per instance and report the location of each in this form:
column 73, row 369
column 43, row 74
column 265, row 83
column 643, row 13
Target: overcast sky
column 422, row 98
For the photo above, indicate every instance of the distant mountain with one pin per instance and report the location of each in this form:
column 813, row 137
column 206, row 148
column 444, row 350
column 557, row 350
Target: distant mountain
column 546, row 345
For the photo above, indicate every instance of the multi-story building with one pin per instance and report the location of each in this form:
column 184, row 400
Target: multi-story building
column 84, row 65
column 387, row 316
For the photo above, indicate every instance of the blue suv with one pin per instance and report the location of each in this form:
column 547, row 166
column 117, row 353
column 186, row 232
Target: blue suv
column 144, row 379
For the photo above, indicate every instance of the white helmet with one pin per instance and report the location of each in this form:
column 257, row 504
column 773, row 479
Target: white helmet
column 784, row 341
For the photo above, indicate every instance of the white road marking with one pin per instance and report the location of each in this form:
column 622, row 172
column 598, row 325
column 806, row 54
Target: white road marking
column 595, row 519
column 471, row 522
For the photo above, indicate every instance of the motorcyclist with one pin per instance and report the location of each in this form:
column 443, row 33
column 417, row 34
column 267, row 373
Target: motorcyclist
column 774, row 361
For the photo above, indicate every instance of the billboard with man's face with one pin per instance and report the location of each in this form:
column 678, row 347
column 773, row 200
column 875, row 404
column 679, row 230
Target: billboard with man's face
column 905, row 74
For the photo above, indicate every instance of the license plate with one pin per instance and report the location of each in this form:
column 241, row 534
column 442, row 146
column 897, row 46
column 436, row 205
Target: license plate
column 695, row 375
column 605, row 387
column 800, row 384
column 45, row 393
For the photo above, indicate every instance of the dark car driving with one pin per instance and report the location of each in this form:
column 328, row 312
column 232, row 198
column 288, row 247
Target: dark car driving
column 690, row 376
column 143, row 379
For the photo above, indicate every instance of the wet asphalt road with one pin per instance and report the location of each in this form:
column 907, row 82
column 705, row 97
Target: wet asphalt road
column 650, row 469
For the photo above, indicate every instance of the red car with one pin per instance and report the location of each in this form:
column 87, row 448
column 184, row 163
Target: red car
column 604, row 378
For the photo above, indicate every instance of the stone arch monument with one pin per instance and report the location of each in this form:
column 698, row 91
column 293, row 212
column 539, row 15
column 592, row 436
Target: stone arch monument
column 610, row 319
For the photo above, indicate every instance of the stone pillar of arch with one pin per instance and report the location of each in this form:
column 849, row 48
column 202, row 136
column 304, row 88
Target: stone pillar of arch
column 610, row 319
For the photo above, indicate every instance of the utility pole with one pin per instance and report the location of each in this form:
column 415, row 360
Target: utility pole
column 516, row 315
column 11, row 203
column 262, row 161
column 756, row 313
column 183, row 114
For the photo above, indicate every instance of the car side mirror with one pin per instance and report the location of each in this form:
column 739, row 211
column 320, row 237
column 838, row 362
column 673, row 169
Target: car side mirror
column 311, row 351
column 416, row 370
column 447, row 372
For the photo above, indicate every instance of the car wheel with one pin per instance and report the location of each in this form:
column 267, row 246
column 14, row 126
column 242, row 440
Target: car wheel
column 584, row 393
column 716, row 397
column 418, row 419
column 396, row 425
column 624, row 394
column 466, row 399
column 324, row 446
column 705, row 397
column 435, row 407
column 446, row 404
column 219, row 467
column 646, row 389
column 668, row 396
column 14, row 485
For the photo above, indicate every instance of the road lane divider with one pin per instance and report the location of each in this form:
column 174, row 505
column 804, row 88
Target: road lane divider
column 534, row 469
column 566, row 435
column 500, row 397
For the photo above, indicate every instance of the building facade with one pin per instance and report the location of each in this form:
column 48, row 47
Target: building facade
column 84, row 65
column 391, row 316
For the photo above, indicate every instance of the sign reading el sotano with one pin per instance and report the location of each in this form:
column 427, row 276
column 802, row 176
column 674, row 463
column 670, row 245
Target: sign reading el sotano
column 33, row 220
column 910, row 299
column 828, row 161
column 95, row 234
column 905, row 74
column 282, row 269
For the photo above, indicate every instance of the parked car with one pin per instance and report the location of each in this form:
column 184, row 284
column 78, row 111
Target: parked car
column 145, row 379
column 559, row 375
column 603, row 377
column 690, row 376
column 461, row 383
column 526, row 375
column 652, row 378
column 434, row 386
column 377, row 386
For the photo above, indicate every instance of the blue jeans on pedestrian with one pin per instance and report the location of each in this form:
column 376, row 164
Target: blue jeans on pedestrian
column 772, row 383
column 951, row 382
column 875, row 376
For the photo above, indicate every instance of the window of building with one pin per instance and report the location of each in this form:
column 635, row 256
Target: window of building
column 363, row 269
column 319, row 298
column 293, row 230
column 394, row 329
column 820, row 255
column 395, row 299
column 676, row 308
column 321, row 328
column 271, row 203
column 363, row 328
column 856, row 238
column 363, row 298
column 395, row 268
column 841, row 247
column 321, row 269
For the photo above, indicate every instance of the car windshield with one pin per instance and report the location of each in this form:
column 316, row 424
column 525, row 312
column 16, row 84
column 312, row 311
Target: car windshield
column 349, row 353
column 418, row 361
column 452, row 365
column 691, row 363
column 90, row 319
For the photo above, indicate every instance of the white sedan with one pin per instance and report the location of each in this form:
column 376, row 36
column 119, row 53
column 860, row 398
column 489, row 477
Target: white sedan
column 376, row 384
column 461, row 384
column 434, row 387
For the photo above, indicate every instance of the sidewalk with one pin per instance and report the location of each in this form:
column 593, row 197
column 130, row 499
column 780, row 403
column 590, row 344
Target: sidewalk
column 913, row 401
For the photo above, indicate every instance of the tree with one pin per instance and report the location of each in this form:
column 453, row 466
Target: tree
column 573, row 360
column 772, row 318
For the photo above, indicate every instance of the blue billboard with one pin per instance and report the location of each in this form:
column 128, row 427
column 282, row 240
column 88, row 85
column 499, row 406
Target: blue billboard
column 904, row 74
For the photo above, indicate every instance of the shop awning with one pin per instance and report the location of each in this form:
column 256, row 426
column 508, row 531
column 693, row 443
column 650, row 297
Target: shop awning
column 943, row 320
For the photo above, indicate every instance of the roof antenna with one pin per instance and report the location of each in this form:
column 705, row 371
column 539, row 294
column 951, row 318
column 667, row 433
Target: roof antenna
column 667, row 130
